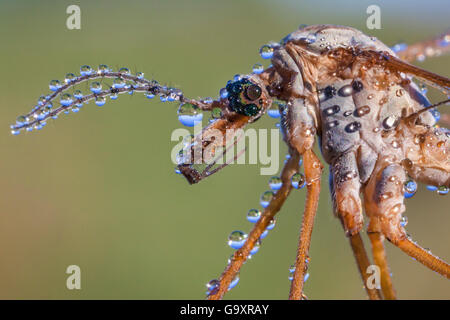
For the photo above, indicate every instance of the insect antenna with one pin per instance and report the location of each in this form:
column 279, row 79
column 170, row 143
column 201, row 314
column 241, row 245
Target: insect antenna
column 416, row 114
column 47, row 108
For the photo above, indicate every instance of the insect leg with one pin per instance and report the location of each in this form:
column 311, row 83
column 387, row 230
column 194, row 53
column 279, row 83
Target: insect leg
column 426, row 49
column 313, row 172
column 363, row 263
column 440, row 82
column 240, row 256
column 298, row 129
column 384, row 205
column 380, row 259
column 345, row 188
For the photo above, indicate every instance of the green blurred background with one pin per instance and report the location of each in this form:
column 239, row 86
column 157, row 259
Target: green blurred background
column 97, row 189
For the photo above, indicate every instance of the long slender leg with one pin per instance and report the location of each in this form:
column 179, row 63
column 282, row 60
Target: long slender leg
column 440, row 82
column 423, row 256
column 380, row 259
column 345, row 187
column 313, row 173
column 426, row 49
column 384, row 204
column 363, row 262
column 240, row 256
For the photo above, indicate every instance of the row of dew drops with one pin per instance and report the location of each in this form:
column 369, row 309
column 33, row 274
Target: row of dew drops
column 43, row 108
column 188, row 114
column 237, row 238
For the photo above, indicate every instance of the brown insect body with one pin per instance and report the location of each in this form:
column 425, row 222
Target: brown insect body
column 357, row 96
column 358, row 114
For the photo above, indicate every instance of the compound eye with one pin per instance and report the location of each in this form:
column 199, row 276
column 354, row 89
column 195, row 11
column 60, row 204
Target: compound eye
column 253, row 92
column 251, row 110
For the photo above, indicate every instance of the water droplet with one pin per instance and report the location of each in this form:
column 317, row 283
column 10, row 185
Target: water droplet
column 69, row 78
column 255, row 247
column 326, row 93
column 124, row 70
column 357, row 86
column 78, row 94
column 15, row 132
column 311, row 38
column 395, row 209
column 399, row 47
column 54, row 85
column 149, row 95
column 208, row 100
column 234, row 282
column 114, row 96
column 298, row 180
column 399, row 92
column 96, row 87
column 264, row 234
column 102, row 69
column 253, row 215
column 257, row 68
column 189, row 115
column 353, row 127
column 66, row 99
column 362, row 111
column 266, row 197
column 432, row 188
column 271, row 224
column 332, row 124
column 42, row 100
column 236, row 239
column 21, row 120
column 266, row 52
column 85, row 70
column 291, row 274
column 403, row 221
column 442, row 190
column 347, row 113
column 409, row 188
column 345, row 91
column 332, row 110
column 436, row 114
column 100, row 101
column 395, row 144
column 212, row 286
column 275, row 183
column 118, row 83
column 390, row 122
column 223, row 93
column 274, row 111
column 140, row 75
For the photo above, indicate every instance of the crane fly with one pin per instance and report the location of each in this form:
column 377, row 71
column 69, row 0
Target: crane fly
column 352, row 94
